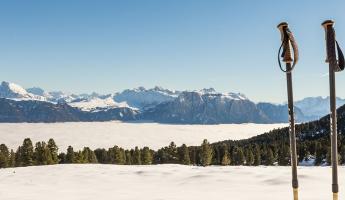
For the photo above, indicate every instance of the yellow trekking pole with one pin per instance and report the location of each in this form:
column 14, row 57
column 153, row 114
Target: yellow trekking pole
column 288, row 42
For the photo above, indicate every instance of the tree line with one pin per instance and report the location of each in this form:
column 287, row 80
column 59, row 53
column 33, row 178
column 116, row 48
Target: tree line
column 251, row 152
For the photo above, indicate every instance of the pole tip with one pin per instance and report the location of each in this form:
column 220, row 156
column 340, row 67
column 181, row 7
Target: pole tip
column 335, row 196
column 282, row 24
column 327, row 23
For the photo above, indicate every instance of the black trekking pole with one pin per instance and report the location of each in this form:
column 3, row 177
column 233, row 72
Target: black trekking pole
column 288, row 41
column 334, row 66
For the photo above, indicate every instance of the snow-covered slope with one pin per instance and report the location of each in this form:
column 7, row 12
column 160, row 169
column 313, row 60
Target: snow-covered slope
column 14, row 91
column 142, row 98
column 97, row 103
column 225, row 96
column 164, row 182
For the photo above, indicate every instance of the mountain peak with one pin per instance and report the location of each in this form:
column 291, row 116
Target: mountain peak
column 208, row 90
column 14, row 91
column 158, row 88
column 140, row 89
column 14, row 88
column 36, row 91
column 238, row 96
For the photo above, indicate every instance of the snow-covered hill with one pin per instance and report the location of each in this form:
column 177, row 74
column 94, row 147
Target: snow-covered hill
column 164, row 182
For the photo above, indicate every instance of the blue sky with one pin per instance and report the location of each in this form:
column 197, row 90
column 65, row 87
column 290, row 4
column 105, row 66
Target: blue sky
column 108, row 46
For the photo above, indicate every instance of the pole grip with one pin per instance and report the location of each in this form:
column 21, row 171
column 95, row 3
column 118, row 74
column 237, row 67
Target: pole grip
column 283, row 28
column 330, row 41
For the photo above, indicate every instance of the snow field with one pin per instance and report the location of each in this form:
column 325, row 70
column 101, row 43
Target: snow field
column 163, row 182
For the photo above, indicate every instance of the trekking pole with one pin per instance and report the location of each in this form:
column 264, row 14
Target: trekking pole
column 334, row 66
column 288, row 41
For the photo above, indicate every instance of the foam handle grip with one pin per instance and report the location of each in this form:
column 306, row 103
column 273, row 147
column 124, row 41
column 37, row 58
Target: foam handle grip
column 283, row 27
column 330, row 41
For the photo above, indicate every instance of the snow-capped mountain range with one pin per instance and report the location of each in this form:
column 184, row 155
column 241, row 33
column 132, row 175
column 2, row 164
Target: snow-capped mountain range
column 158, row 104
column 138, row 98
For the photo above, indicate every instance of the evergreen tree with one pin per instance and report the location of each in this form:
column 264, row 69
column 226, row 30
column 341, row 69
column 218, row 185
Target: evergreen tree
column 62, row 158
column 39, row 154
column 117, row 155
column 217, row 157
column 4, row 156
column 70, row 157
column 18, row 157
column 101, row 155
column 172, row 153
column 226, row 156
column 342, row 154
column 249, row 157
column 12, row 159
column 238, row 156
column 302, row 152
column 284, row 155
column 92, row 157
column 79, row 157
column 136, row 156
column 128, row 157
column 27, row 153
column 311, row 147
column 329, row 156
column 206, row 153
column 257, row 156
column 146, row 156
column 194, row 158
column 269, row 157
column 53, row 151
column 111, row 155
column 86, row 154
column 184, row 155
column 48, row 156
column 319, row 154
column 123, row 154
column 89, row 156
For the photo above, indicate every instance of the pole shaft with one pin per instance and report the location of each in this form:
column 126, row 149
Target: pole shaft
column 292, row 133
column 331, row 58
column 333, row 128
